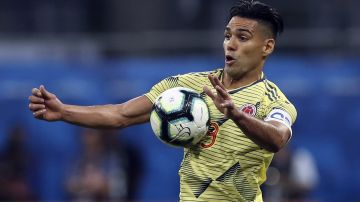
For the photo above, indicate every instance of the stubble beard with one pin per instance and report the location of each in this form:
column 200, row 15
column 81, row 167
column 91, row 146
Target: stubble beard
column 234, row 72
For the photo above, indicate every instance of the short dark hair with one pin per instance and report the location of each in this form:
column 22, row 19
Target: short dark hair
column 262, row 12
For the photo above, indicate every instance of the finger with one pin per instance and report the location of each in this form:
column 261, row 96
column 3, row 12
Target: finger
column 36, row 107
column 36, row 100
column 218, row 82
column 220, row 91
column 36, row 92
column 211, row 79
column 209, row 92
column 45, row 93
column 39, row 113
column 215, row 81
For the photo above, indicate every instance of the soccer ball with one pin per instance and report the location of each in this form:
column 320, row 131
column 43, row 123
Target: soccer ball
column 180, row 117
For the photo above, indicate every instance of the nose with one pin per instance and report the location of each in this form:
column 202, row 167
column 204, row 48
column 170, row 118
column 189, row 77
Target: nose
column 230, row 44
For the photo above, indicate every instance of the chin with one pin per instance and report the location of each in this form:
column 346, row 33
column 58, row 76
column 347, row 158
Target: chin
column 233, row 71
column 229, row 68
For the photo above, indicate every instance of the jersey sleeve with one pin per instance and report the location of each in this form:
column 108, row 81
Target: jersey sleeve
column 281, row 111
column 283, row 105
column 157, row 89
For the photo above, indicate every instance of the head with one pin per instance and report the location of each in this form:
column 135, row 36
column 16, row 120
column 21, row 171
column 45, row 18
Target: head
column 250, row 37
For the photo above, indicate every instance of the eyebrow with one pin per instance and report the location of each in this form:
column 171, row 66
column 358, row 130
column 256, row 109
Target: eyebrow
column 239, row 30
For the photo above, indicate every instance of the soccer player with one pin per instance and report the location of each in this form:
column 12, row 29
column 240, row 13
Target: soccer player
column 250, row 117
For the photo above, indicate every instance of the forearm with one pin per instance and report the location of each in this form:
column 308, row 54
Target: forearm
column 132, row 112
column 264, row 134
column 270, row 135
column 101, row 116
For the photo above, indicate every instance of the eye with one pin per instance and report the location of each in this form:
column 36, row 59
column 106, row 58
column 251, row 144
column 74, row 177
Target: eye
column 243, row 38
column 227, row 36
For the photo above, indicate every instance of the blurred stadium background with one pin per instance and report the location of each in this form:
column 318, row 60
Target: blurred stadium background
column 96, row 52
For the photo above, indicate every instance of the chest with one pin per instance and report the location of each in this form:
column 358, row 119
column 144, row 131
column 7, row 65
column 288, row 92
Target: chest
column 248, row 101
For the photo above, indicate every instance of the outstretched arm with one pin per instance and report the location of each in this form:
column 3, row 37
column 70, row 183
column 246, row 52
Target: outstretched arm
column 47, row 106
column 270, row 135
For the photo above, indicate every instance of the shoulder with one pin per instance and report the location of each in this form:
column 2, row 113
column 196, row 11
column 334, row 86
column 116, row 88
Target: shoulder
column 275, row 99
column 200, row 74
column 193, row 80
column 273, row 92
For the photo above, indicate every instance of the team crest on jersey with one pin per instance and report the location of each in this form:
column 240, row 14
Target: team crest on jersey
column 249, row 109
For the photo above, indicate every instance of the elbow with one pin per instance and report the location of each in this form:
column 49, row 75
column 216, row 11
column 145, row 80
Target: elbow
column 120, row 122
column 274, row 148
column 114, row 117
column 278, row 139
column 111, row 121
column 122, row 118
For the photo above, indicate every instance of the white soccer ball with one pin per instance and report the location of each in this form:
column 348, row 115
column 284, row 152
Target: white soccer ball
column 180, row 117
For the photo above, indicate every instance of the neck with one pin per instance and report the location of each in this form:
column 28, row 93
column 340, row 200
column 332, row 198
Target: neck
column 231, row 82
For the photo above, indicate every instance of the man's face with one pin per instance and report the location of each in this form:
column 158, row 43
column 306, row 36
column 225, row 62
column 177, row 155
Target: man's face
column 244, row 46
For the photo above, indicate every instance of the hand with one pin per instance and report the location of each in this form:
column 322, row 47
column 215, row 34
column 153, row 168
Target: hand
column 45, row 105
column 221, row 99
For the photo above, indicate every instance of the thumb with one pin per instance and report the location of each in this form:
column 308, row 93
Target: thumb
column 46, row 94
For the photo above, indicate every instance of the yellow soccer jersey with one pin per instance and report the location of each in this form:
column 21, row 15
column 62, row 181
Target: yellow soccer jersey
column 226, row 165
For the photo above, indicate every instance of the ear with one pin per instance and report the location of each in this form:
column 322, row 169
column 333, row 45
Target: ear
column 268, row 47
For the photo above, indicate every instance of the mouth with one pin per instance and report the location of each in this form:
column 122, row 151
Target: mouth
column 229, row 60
